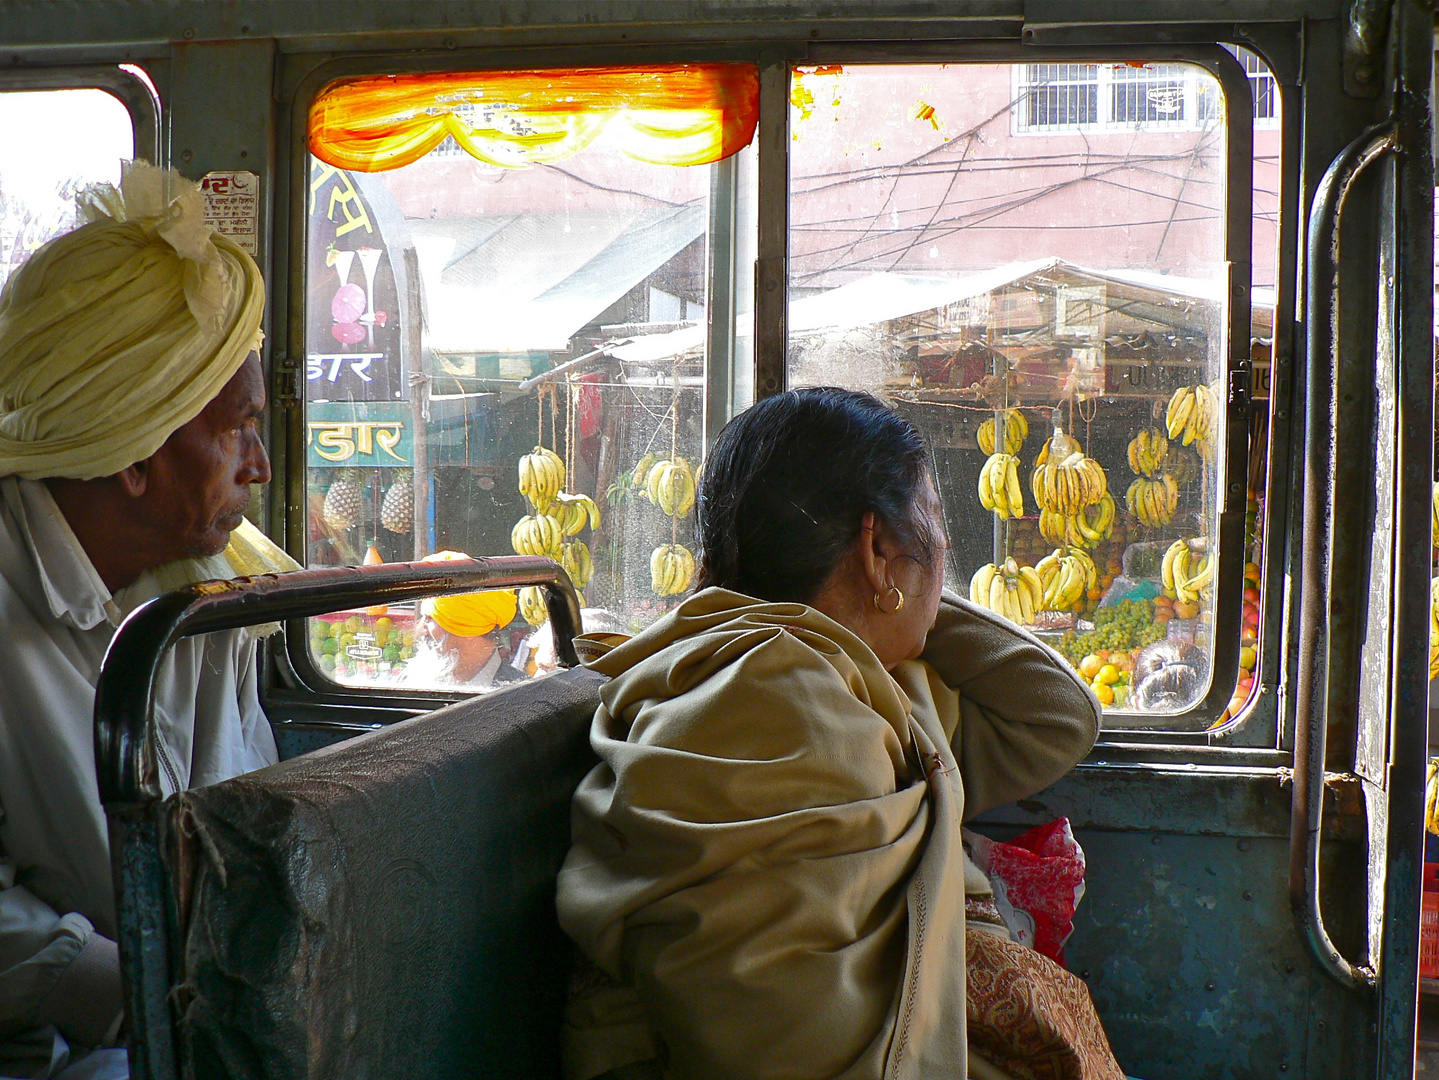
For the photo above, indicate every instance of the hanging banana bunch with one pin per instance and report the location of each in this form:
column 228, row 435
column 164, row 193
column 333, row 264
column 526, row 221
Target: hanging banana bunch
column 1008, row 589
column 1434, row 629
column 1434, row 528
column 670, row 485
column 1067, row 482
column 1053, row 526
column 1092, row 525
column 672, row 569
column 1065, row 576
column 1185, row 574
column 999, row 488
column 542, row 476
column 1016, row 430
column 576, row 559
column 537, row 534
column 1154, row 501
column 1148, row 451
column 532, row 605
column 574, row 512
column 1193, row 417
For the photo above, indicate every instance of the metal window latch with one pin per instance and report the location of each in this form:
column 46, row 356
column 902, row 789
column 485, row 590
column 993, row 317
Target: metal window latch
column 287, row 382
column 1241, row 380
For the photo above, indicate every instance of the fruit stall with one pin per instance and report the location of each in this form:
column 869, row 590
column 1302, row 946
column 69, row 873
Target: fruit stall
column 1076, row 422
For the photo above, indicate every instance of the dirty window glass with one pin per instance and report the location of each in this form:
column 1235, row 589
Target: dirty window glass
column 40, row 174
column 509, row 357
column 1027, row 262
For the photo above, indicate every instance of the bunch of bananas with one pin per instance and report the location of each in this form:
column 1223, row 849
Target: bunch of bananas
column 1148, row 451
column 532, row 605
column 1431, row 798
column 999, row 488
column 1193, row 417
column 537, row 534
column 1016, row 430
column 1434, row 629
column 670, row 485
column 1153, row 501
column 574, row 512
column 542, row 476
column 1087, row 529
column 1009, row 589
column 672, row 568
column 1185, row 574
column 578, row 563
column 1434, row 530
column 1065, row 575
column 1068, row 484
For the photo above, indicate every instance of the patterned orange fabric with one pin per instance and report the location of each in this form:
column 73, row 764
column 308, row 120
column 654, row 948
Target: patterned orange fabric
column 1030, row 1017
column 684, row 114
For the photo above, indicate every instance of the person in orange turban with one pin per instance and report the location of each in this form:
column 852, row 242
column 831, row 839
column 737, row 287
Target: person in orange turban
column 460, row 628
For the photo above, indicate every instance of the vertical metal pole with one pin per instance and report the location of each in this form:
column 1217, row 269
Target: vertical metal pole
column 419, row 391
column 1414, row 244
column 720, row 309
column 142, row 908
column 771, row 331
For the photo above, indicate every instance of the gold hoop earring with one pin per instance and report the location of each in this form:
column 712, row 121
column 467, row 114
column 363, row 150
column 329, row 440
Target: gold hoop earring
column 898, row 603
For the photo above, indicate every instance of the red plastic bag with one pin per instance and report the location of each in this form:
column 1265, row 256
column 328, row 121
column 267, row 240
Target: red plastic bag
column 1038, row 881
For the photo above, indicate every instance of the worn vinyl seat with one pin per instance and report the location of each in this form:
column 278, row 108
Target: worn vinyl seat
column 385, row 907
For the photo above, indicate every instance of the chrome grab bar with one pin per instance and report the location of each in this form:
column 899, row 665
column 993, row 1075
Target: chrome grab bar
column 125, row 757
column 1311, row 710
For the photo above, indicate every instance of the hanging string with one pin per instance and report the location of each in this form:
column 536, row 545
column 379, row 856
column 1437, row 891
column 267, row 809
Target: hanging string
column 569, row 422
column 675, row 440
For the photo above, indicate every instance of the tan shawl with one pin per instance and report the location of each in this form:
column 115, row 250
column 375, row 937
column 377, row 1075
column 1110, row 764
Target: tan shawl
column 768, row 858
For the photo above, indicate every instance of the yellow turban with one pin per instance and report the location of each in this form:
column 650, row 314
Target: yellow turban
column 470, row 614
column 118, row 333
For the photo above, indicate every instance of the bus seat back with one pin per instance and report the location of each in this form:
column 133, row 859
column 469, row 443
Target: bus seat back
column 385, row 906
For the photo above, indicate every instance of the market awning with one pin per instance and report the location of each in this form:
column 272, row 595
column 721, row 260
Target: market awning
column 529, row 282
column 1173, row 301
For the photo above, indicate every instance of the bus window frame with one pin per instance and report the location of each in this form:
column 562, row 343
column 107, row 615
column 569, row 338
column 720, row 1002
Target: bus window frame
column 1255, row 739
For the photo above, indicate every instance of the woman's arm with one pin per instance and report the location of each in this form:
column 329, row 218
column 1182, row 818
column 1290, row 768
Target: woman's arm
column 1023, row 718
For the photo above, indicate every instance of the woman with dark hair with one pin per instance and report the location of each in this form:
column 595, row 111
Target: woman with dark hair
column 767, row 877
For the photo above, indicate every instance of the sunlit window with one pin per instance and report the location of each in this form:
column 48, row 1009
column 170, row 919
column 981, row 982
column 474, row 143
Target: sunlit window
column 1050, row 312
column 40, row 174
column 508, row 342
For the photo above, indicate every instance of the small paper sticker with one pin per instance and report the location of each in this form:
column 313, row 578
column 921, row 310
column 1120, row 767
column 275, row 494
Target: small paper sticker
column 232, row 206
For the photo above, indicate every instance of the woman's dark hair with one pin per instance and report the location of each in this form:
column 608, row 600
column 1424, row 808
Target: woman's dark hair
column 788, row 481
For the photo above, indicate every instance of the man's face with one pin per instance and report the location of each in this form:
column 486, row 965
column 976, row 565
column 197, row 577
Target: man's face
column 198, row 483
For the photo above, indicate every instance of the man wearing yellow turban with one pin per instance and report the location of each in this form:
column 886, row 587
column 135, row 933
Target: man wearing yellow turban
column 454, row 634
column 130, row 396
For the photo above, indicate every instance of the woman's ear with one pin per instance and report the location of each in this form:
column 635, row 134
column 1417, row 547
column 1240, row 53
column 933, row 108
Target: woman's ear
column 877, row 551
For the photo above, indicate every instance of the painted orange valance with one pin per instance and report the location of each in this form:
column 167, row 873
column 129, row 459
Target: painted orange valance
column 687, row 114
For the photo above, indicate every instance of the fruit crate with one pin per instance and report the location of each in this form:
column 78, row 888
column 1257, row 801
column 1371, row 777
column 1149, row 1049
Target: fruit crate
column 1429, row 929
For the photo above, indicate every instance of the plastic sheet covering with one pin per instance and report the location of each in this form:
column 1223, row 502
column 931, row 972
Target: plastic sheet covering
column 689, row 114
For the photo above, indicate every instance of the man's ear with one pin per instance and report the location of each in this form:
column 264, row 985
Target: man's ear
column 134, row 479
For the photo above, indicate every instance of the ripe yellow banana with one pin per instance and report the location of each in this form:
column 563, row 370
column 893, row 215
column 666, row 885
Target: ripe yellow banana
column 532, row 605
column 672, row 569
column 542, row 476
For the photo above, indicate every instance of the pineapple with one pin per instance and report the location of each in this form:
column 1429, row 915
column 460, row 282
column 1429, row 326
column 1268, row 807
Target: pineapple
column 342, row 501
column 397, row 512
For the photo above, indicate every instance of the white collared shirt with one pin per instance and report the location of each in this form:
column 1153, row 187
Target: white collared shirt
column 56, row 621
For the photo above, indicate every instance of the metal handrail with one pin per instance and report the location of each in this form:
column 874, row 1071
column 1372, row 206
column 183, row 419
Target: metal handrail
column 125, row 755
column 1321, row 313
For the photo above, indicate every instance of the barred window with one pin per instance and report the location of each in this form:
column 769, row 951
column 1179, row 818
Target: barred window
column 1152, row 94
column 1061, row 94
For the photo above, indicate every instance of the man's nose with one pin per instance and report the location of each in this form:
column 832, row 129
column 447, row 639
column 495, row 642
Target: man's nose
column 257, row 462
